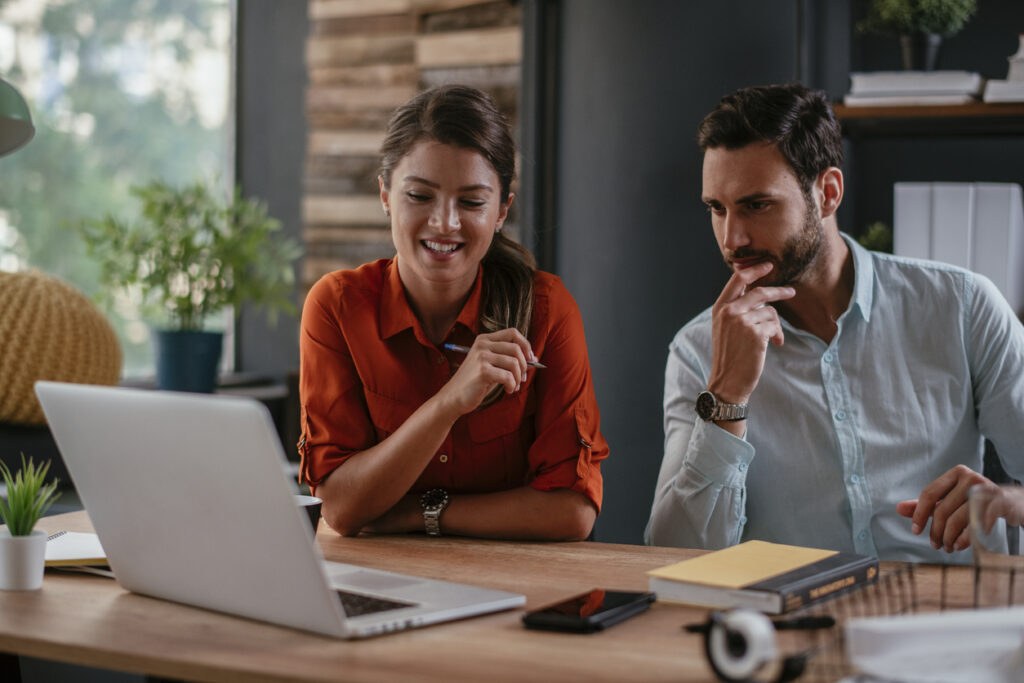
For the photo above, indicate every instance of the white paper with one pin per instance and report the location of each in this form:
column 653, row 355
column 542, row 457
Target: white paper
column 957, row 646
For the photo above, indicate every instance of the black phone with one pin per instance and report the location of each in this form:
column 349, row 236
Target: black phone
column 592, row 611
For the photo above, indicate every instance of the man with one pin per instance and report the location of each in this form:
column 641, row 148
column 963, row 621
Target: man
column 830, row 393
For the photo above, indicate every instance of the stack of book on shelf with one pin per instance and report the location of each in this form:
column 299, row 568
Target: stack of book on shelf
column 908, row 88
column 768, row 577
column 1012, row 89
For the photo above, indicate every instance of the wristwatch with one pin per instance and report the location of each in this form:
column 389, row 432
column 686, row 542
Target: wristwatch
column 710, row 409
column 434, row 502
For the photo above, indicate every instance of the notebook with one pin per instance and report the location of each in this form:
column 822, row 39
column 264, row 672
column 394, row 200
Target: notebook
column 188, row 495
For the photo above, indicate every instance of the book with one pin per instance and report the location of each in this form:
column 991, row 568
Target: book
column 912, row 219
column 998, row 249
column 952, row 223
column 1004, row 91
column 73, row 548
column 907, row 100
column 911, row 82
column 769, row 577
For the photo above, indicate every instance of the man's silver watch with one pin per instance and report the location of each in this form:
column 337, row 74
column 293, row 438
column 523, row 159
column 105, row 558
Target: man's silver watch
column 434, row 502
column 710, row 409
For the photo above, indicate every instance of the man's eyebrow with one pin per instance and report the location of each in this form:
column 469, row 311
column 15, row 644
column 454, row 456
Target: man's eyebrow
column 465, row 188
column 754, row 197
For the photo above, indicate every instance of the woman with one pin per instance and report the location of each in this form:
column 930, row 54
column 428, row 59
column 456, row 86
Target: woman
column 401, row 433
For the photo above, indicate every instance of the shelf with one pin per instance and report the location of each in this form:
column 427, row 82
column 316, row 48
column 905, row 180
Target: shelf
column 973, row 119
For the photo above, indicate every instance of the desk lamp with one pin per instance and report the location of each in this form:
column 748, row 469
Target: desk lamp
column 16, row 127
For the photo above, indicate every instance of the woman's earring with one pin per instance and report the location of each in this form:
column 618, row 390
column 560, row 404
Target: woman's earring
column 386, row 212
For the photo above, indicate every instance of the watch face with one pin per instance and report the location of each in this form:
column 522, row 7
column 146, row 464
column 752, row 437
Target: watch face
column 434, row 499
column 706, row 405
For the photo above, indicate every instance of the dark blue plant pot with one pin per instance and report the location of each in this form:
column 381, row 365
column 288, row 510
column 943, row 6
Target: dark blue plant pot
column 187, row 361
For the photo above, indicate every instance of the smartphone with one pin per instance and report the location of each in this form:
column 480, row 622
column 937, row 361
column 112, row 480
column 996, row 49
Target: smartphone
column 592, row 611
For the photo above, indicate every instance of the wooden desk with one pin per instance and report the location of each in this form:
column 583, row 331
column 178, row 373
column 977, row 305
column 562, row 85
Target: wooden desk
column 92, row 621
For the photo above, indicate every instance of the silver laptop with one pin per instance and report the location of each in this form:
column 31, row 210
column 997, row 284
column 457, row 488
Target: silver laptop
column 189, row 497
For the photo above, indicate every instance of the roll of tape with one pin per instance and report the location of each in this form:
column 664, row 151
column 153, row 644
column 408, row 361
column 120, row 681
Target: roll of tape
column 739, row 643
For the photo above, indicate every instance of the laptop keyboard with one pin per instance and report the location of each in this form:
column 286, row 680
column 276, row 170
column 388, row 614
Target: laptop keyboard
column 356, row 604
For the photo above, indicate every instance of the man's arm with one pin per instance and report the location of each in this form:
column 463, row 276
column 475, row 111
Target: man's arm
column 700, row 495
column 699, row 498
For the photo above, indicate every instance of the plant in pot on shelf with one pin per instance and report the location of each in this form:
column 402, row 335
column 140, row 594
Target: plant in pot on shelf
column 920, row 25
column 188, row 256
column 22, row 547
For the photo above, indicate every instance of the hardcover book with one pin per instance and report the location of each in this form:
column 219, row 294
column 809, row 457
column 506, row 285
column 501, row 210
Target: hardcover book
column 769, row 577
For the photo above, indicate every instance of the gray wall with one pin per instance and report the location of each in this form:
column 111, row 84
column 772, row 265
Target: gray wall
column 271, row 148
column 634, row 244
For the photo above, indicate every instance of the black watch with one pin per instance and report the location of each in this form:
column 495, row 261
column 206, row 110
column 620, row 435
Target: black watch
column 710, row 409
column 434, row 502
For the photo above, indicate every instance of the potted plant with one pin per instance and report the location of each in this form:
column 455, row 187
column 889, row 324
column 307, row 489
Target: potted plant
column 22, row 548
column 188, row 256
column 920, row 24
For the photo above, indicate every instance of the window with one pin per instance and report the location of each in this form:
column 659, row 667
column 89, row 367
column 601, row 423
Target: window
column 121, row 92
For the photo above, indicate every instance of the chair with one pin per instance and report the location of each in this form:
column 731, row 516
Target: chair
column 48, row 330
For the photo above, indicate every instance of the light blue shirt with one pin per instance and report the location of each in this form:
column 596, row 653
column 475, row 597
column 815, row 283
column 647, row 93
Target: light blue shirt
column 927, row 362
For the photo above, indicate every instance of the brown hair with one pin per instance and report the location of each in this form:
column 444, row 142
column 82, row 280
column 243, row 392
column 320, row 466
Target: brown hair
column 797, row 120
column 462, row 116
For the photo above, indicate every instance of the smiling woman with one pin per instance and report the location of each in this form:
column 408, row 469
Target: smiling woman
column 401, row 433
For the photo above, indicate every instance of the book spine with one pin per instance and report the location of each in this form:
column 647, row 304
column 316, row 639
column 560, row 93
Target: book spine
column 827, row 585
column 912, row 219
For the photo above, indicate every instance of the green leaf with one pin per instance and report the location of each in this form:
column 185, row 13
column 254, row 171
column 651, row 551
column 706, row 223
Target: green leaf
column 28, row 498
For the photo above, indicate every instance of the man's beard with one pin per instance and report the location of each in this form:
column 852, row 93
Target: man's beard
column 799, row 253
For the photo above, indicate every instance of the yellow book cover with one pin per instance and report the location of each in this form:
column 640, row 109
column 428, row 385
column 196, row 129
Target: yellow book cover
column 741, row 565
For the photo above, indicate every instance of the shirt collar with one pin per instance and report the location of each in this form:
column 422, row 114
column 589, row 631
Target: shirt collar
column 396, row 315
column 863, row 278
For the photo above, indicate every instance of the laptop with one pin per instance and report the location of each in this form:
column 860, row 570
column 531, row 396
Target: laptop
column 189, row 497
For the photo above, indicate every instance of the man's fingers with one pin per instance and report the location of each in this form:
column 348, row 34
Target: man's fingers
column 741, row 279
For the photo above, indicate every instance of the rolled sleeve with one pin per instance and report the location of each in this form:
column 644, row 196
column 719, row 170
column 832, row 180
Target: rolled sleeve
column 335, row 422
column 569, row 446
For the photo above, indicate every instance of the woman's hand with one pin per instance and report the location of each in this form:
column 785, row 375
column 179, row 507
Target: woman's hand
column 496, row 358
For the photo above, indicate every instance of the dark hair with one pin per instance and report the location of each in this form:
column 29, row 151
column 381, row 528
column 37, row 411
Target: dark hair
column 462, row 116
column 797, row 120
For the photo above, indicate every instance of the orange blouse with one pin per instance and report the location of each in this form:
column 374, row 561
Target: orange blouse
column 366, row 365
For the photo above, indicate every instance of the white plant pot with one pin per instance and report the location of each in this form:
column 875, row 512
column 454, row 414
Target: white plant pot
column 22, row 560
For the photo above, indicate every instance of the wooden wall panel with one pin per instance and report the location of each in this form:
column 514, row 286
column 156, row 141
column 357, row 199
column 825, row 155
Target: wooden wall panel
column 364, row 58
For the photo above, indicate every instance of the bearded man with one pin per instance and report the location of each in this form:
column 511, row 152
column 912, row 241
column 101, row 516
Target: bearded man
column 831, row 397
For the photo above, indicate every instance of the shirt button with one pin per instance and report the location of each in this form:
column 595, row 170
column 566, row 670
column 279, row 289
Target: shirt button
column 742, row 466
column 840, row 415
column 862, row 535
column 855, row 478
column 829, row 357
column 443, row 457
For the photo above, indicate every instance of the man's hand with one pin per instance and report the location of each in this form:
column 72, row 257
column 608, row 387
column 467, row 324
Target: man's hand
column 945, row 502
column 742, row 325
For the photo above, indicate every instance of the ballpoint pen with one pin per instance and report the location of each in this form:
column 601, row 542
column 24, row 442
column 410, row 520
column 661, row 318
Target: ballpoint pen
column 465, row 349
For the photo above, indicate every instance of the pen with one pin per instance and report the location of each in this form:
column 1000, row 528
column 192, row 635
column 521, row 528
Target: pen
column 465, row 349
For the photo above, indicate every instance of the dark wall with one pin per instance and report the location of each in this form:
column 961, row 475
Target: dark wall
column 271, row 146
column 634, row 244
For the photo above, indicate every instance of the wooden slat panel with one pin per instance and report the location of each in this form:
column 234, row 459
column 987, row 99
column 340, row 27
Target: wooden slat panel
column 372, row 25
column 345, row 142
column 353, row 210
column 360, row 50
column 425, row 6
column 363, row 235
column 328, row 98
column 375, row 75
column 330, row 9
column 470, row 48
